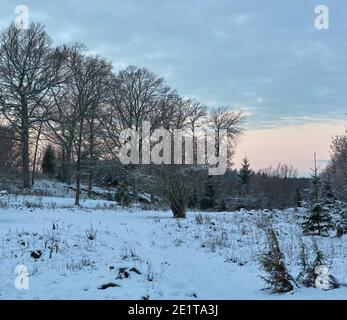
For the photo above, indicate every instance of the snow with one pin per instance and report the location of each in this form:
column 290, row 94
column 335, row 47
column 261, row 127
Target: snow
column 206, row 256
column 57, row 189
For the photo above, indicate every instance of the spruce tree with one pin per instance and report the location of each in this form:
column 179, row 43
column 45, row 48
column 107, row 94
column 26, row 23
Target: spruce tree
column 315, row 182
column 330, row 203
column 244, row 177
column 273, row 263
column 337, row 209
column 318, row 220
column 303, row 262
column 48, row 161
column 341, row 227
column 328, row 195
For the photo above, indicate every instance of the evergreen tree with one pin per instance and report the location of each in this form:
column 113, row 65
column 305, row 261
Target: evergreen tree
column 311, row 276
column 208, row 200
column 309, row 269
column 341, row 227
column 244, row 177
column 303, row 262
column 318, row 221
column 328, row 196
column 124, row 195
column 48, row 161
column 331, row 204
column 273, row 263
column 315, row 182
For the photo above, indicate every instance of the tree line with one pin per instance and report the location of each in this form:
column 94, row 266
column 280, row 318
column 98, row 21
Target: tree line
column 58, row 102
column 75, row 102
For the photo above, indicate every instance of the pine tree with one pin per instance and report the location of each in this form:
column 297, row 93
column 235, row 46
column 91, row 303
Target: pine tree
column 273, row 263
column 244, row 177
column 48, row 161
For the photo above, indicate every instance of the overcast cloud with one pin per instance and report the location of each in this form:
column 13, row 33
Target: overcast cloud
column 262, row 56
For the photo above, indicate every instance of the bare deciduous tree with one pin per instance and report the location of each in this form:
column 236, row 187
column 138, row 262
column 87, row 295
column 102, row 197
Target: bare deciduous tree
column 223, row 118
column 29, row 68
column 87, row 77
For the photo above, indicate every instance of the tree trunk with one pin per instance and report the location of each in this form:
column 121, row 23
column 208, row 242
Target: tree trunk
column 178, row 210
column 178, row 207
column 25, row 147
column 90, row 183
column 25, row 159
column 35, row 155
column 78, row 183
column 68, row 160
column 78, row 166
column 135, row 191
column 92, row 160
column 62, row 170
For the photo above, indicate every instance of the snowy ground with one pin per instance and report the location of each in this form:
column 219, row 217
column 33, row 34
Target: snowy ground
column 145, row 254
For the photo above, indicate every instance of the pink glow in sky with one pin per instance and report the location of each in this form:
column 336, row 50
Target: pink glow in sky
column 293, row 145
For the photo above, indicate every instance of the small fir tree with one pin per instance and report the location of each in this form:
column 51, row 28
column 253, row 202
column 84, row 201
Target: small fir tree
column 273, row 263
column 318, row 221
column 331, row 204
column 328, row 195
column 315, row 182
column 341, row 226
column 303, row 262
column 244, row 177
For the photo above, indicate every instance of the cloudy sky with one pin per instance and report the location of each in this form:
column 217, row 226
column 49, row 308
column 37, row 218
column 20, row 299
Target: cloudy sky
column 262, row 56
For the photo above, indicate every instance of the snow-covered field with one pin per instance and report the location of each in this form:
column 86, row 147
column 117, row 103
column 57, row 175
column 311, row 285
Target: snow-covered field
column 102, row 251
